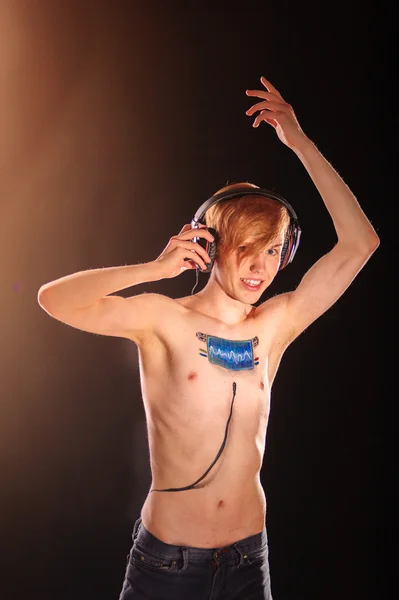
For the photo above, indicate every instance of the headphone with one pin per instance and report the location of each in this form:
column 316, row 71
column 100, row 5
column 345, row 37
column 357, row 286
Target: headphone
column 291, row 242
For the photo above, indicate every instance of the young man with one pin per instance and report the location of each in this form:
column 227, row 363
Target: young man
column 201, row 534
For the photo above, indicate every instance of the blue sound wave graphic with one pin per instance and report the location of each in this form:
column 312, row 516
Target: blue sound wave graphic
column 230, row 354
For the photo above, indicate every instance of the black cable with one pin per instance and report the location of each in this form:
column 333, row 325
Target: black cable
column 189, row 487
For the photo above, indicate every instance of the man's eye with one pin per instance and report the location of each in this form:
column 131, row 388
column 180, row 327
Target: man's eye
column 242, row 248
column 272, row 252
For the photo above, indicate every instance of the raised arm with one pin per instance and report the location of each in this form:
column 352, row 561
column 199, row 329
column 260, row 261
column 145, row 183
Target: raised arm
column 329, row 277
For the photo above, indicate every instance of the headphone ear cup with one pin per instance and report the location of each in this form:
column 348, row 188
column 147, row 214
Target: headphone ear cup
column 285, row 250
column 211, row 249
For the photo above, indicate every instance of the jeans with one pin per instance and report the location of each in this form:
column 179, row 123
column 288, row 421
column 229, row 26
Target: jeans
column 160, row 571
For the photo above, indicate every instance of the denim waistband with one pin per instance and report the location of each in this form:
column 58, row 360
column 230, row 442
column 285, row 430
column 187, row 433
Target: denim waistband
column 144, row 539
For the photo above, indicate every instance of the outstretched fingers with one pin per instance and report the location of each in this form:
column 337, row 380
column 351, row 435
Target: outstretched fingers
column 269, row 86
column 272, row 106
column 268, row 116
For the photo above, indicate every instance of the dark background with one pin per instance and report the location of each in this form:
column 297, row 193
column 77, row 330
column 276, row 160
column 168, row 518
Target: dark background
column 117, row 121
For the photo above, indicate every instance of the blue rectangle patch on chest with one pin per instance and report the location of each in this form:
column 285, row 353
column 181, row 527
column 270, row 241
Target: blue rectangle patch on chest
column 235, row 355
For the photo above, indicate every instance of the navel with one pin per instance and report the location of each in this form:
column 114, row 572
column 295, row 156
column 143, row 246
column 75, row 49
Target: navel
column 221, row 504
column 192, row 376
column 262, row 385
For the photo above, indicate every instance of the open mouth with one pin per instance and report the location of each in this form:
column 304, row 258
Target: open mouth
column 252, row 285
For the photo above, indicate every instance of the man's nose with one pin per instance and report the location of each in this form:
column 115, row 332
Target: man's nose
column 258, row 263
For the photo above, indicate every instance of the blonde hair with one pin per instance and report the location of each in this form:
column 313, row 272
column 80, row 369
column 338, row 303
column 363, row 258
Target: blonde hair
column 261, row 218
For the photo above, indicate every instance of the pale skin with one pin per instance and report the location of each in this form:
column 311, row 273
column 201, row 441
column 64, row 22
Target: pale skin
column 186, row 397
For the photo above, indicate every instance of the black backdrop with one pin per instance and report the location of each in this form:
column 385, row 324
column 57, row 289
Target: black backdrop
column 118, row 120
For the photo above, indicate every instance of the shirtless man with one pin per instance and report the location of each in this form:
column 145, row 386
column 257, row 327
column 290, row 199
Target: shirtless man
column 201, row 534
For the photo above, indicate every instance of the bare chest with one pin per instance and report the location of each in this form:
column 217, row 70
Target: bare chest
column 194, row 364
column 203, row 382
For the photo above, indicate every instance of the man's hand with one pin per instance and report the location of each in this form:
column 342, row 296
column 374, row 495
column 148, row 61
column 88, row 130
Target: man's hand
column 278, row 113
column 182, row 253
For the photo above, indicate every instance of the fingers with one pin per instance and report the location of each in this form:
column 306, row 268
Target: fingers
column 193, row 258
column 194, row 262
column 273, row 106
column 194, row 254
column 265, row 95
column 192, row 249
column 187, row 227
column 269, row 86
column 272, row 94
column 268, row 116
column 187, row 233
column 258, row 94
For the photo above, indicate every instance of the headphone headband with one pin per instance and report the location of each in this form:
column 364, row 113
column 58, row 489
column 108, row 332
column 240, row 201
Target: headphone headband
column 237, row 192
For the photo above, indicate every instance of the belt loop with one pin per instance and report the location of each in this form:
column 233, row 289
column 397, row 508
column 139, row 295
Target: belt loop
column 184, row 551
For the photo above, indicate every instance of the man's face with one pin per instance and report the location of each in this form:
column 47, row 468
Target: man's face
column 246, row 281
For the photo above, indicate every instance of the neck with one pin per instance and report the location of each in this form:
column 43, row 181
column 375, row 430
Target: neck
column 216, row 303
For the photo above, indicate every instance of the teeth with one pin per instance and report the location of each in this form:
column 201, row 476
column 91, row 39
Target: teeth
column 253, row 282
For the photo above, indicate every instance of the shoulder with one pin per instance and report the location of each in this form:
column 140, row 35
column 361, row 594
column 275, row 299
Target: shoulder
column 273, row 307
column 154, row 301
column 153, row 314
